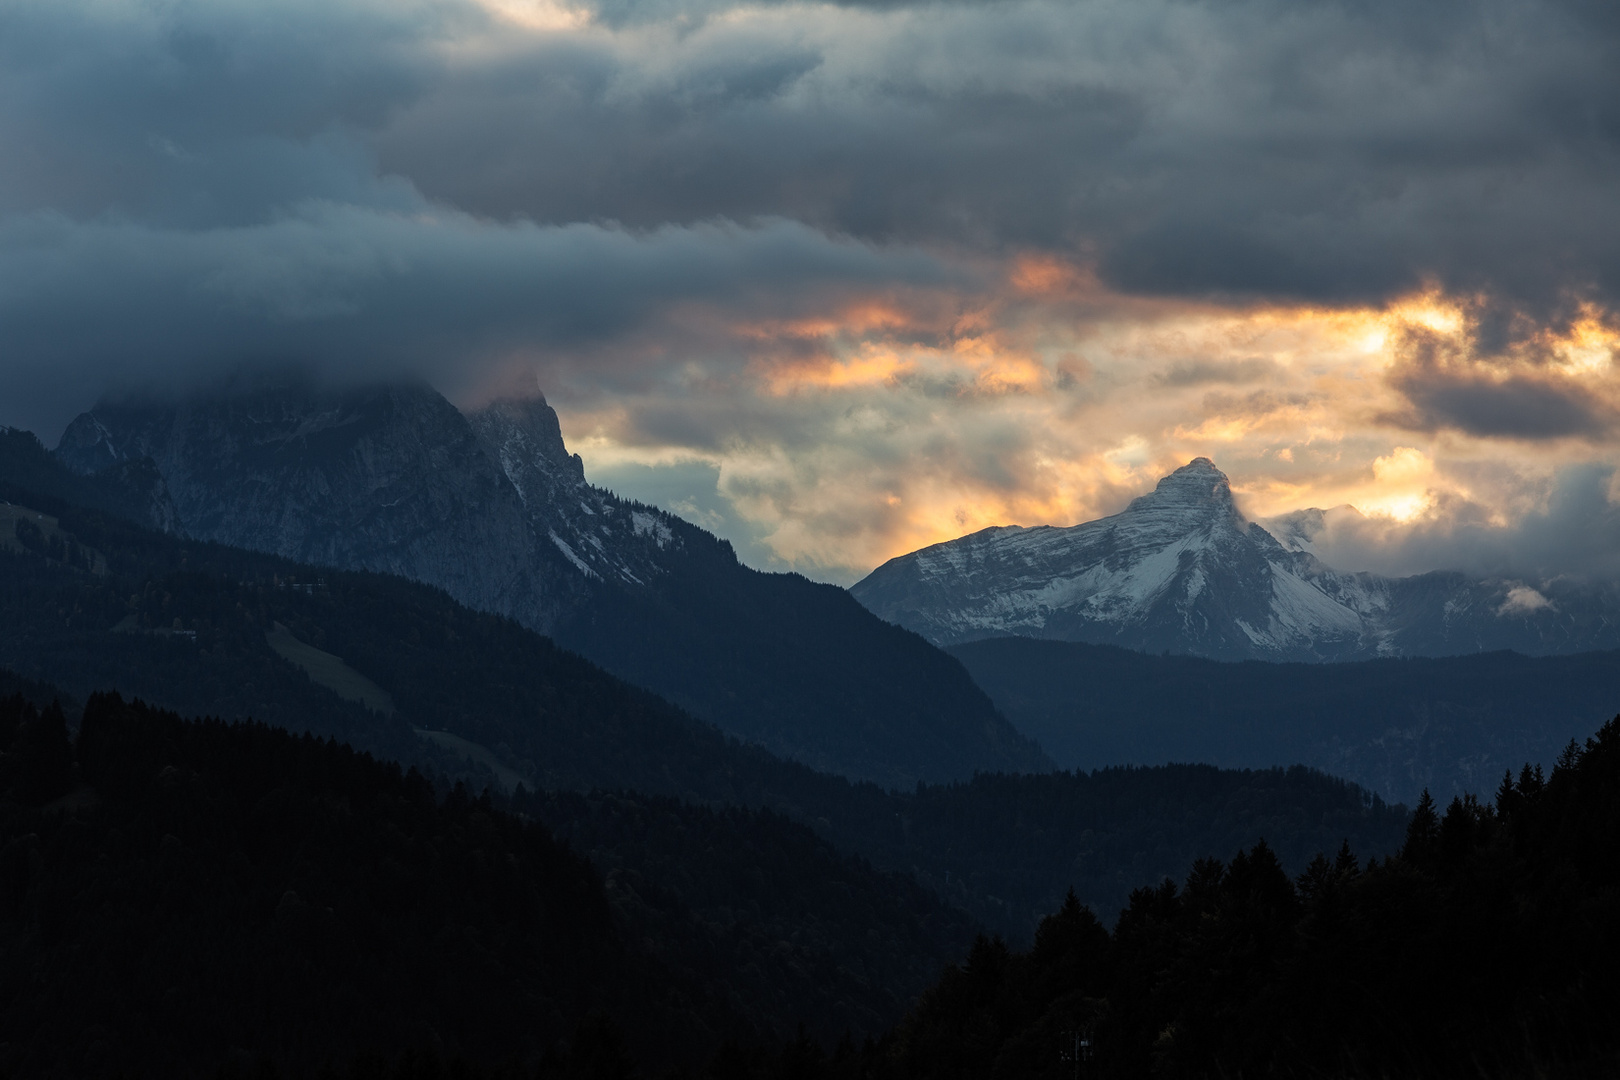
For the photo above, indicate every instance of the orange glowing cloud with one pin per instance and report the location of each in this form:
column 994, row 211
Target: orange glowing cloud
column 1044, row 275
column 860, row 318
column 872, row 365
column 1030, row 407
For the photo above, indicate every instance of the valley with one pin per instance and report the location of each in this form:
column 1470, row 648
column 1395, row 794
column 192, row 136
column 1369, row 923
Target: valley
column 753, row 893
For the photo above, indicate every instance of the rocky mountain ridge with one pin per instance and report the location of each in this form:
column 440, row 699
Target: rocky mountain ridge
column 1182, row 570
column 379, row 478
column 493, row 509
column 599, row 534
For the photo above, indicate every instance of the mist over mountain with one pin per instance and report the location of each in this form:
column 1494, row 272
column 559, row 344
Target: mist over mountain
column 1181, row 570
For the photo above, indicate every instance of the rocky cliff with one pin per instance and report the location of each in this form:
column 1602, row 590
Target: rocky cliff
column 386, row 478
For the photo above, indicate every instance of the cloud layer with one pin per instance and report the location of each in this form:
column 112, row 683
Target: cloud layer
column 857, row 277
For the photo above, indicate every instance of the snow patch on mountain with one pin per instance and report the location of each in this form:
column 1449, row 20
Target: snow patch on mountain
column 598, row 533
column 568, row 553
column 646, row 524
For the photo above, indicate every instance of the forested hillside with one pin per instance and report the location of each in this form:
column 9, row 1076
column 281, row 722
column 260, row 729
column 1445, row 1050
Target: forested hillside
column 175, row 893
column 1488, row 947
column 758, row 908
column 188, row 896
column 227, row 892
column 189, row 626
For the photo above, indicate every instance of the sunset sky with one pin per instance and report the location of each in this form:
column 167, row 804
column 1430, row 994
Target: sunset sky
column 842, row 280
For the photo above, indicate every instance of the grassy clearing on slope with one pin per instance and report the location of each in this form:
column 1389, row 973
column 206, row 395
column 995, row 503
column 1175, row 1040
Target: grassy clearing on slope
column 48, row 530
column 477, row 753
column 329, row 671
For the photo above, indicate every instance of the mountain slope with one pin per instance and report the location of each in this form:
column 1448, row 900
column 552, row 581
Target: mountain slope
column 1487, row 948
column 193, row 626
column 1394, row 726
column 287, row 899
column 212, row 889
column 494, row 510
column 1181, row 570
column 797, row 667
column 377, row 478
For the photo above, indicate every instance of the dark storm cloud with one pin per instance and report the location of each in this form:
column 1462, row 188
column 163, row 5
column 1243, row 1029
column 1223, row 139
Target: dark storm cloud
column 362, row 293
column 1458, row 385
column 202, row 113
column 1515, row 407
column 1341, row 151
column 365, row 183
column 1333, row 150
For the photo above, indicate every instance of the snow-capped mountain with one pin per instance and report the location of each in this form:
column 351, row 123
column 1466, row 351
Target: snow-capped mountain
column 1181, row 569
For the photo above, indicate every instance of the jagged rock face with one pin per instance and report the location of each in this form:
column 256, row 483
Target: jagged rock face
column 88, row 448
column 793, row 666
column 389, row 478
column 142, row 494
column 1181, row 570
column 599, row 534
column 493, row 509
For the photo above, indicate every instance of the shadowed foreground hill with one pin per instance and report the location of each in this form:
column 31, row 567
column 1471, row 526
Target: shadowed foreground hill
column 1486, row 948
column 175, row 895
column 209, row 888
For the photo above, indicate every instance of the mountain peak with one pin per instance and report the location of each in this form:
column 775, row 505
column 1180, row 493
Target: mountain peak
column 1179, row 565
column 524, row 437
column 1197, row 487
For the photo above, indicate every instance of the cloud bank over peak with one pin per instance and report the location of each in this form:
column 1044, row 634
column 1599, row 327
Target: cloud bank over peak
column 1575, row 532
column 869, row 274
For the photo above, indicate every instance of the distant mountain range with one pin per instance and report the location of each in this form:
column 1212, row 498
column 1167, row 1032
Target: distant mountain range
column 492, row 508
column 1450, row 724
column 1181, row 570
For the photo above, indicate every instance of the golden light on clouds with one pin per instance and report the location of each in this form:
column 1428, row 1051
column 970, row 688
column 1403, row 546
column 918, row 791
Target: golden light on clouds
column 1430, row 310
column 1045, row 275
column 1590, row 348
column 538, row 16
column 886, row 425
column 870, row 365
column 1402, row 484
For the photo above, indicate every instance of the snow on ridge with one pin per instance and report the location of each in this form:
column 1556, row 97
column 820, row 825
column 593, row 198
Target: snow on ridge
column 568, row 553
column 1180, row 560
column 645, row 524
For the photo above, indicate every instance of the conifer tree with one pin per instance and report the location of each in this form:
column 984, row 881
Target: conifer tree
column 1345, row 865
column 43, row 766
column 1508, row 799
column 1569, row 758
column 1422, row 832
